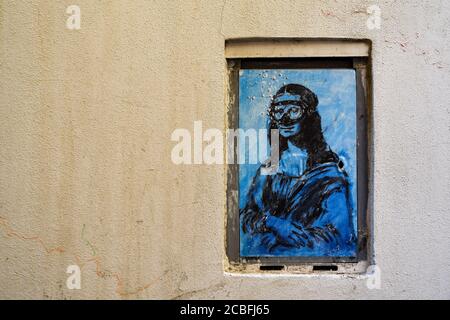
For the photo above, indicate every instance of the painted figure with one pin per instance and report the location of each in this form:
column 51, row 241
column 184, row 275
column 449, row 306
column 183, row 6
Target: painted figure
column 305, row 208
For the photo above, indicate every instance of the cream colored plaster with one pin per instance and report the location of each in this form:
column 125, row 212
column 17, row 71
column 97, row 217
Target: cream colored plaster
column 85, row 122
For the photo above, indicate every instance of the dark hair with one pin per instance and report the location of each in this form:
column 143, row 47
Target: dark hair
column 310, row 137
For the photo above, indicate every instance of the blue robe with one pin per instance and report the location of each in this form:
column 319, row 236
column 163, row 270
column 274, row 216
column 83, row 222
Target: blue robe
column 319, row 200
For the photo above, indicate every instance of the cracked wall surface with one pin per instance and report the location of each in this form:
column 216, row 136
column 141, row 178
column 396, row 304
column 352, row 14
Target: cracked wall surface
column 85, row 123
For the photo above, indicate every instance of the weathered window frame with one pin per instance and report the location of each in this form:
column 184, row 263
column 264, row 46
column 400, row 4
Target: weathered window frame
column 300, row 54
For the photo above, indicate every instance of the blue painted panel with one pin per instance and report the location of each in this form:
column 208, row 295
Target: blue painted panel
column 308, row 207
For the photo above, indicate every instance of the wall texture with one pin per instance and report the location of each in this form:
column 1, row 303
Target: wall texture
column 85, row 123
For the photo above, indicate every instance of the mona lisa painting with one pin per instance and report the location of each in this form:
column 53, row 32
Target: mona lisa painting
column 307, row 207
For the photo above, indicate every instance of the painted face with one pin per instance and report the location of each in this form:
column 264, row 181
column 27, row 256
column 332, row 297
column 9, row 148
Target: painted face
column 289, row 131
column 287, row 116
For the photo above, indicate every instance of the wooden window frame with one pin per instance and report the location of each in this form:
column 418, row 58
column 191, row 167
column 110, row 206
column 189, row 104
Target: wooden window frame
column 364, row 257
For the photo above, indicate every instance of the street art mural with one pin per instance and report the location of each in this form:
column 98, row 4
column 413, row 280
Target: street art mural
column 307, row 207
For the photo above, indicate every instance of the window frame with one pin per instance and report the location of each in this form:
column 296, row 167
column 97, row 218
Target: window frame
column 364, row 256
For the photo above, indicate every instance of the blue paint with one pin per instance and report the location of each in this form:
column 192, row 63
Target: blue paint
column 336, row 92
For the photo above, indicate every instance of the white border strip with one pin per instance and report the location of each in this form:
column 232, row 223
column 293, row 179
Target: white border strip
column 295, row 48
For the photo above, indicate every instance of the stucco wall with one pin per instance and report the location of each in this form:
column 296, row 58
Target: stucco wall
column 85, row 123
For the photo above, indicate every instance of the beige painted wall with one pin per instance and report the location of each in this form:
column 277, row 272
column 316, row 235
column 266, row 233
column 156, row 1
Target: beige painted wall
column 85, row 123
